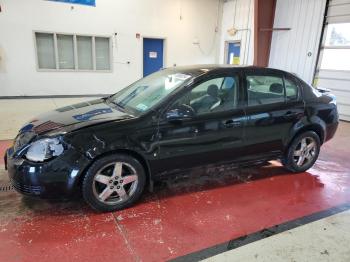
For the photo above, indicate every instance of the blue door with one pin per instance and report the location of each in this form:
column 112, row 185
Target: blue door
column 152, row 55
column 233, row 53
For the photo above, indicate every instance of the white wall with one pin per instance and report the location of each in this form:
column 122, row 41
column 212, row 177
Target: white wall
column 289, row 49
column 240, row 15
column 152, row 18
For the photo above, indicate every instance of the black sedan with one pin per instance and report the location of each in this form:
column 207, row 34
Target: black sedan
column 173, row 120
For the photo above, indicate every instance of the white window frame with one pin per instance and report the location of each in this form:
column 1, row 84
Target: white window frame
column 75, row 52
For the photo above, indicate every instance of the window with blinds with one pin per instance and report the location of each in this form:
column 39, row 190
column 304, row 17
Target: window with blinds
column 70, row 52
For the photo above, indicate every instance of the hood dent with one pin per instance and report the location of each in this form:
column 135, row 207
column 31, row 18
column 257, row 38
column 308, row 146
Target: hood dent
column 74, row 117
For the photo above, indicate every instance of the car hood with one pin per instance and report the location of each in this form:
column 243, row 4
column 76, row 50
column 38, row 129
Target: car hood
column 73, row 117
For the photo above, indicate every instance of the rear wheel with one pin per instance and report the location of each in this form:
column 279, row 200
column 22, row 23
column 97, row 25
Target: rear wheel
column 113, row 183
column 302, row 152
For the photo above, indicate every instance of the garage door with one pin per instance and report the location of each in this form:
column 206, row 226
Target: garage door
column 334, row 62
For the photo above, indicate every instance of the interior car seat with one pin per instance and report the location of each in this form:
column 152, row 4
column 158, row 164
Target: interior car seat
column 207, row 102
column 276, row 88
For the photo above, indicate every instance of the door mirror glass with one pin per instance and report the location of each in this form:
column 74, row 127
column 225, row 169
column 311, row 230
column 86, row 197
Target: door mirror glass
column 179, row 113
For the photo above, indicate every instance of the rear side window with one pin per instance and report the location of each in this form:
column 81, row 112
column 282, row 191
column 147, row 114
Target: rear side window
column 291, row 89
column 264, row 90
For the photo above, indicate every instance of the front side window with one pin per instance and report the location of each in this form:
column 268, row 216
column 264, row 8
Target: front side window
column 262, row 89
column 215, row 95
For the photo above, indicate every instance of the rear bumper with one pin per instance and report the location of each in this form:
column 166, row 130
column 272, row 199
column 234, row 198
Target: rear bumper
column 57, row 178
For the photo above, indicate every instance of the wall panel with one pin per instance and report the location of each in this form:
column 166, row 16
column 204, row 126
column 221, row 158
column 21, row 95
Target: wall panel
column 179, row 22
column 296, row 50
column 240, row 15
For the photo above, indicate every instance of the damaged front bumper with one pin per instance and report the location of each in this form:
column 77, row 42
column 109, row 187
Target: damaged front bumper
column 56, row 178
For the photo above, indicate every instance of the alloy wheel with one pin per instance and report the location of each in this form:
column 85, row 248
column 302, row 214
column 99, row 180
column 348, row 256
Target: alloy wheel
column 115, row 183
column 305, row 151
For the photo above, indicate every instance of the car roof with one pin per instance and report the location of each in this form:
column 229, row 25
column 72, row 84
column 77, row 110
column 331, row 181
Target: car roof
column 197, row 70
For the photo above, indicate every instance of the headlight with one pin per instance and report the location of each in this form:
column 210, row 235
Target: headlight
column 44, row 149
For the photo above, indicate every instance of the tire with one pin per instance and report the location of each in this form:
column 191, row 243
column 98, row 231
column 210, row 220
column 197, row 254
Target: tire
column 113, row 183
column 293, row 159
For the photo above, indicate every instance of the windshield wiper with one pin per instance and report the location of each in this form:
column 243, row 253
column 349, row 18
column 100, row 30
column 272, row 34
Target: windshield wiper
column 120, row 106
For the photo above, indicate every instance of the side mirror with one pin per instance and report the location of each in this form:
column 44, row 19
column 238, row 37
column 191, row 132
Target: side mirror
column 180, row 113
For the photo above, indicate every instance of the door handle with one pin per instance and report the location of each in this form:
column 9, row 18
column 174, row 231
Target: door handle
column 232, row 123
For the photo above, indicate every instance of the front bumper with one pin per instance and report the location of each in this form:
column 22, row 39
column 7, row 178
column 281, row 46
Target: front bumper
column 56, row 178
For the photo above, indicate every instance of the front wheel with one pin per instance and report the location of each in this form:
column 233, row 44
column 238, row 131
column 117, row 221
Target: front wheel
column 302, row 152
column 113, row 182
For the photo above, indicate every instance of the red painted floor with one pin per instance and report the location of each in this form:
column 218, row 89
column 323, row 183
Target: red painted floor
column 4, row 144
column 180, row 217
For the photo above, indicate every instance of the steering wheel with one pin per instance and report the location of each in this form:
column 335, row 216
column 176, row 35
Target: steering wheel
column 188, row 108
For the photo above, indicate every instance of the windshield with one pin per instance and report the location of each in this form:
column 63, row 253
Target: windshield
column 146, row 93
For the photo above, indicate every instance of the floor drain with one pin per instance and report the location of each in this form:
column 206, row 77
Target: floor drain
column 5, row 188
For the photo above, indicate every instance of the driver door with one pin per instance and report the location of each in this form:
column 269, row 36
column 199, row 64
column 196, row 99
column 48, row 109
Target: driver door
column 214, row 133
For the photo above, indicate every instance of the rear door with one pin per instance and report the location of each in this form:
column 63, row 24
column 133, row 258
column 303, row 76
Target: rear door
column 273, row 106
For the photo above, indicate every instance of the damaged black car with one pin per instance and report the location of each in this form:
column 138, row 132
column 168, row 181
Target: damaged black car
column 173, row 120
